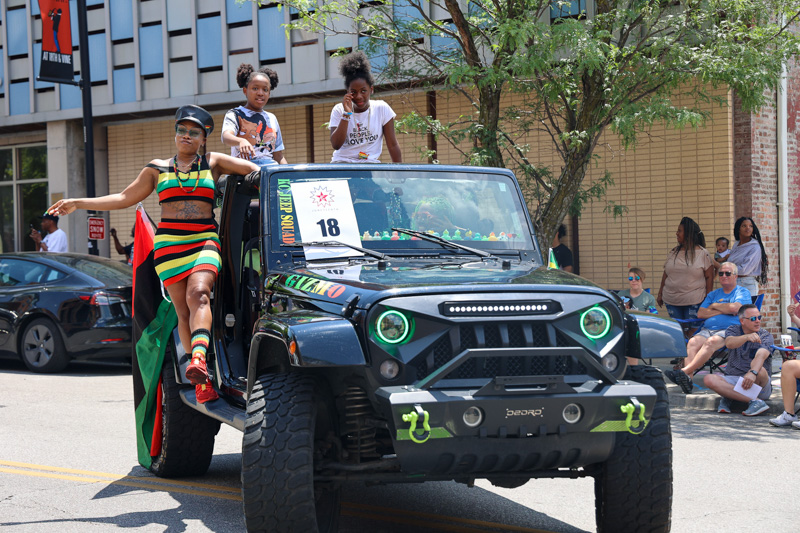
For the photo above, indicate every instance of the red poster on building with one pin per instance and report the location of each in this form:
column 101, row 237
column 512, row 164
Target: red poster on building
column 56, row 64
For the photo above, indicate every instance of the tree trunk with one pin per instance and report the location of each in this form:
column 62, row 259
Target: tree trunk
column 488, row 119
column 558, row 205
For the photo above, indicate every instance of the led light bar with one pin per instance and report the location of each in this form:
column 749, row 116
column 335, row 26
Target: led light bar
column 502, row 308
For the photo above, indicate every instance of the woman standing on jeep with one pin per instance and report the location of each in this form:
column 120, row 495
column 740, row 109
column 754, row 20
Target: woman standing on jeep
column 187, row 247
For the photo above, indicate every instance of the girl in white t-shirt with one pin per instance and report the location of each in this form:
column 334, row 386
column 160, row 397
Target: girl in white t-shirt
column 358, row 125
column 251, row 132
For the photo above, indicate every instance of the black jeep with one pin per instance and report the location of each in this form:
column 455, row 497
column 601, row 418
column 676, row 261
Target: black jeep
column 392, row 323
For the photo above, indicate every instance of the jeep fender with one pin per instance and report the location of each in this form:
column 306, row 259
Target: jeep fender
column 303, row 339
column 654, row 337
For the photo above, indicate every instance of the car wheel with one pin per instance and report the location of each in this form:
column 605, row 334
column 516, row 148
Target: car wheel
column 633, row 489
column 42, row 348
column 288, row 424
column 187, row 436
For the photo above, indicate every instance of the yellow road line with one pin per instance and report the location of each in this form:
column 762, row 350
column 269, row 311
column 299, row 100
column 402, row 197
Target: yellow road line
column 480, row 523
column 124, row 481
column 360, row 510
column 158, row 480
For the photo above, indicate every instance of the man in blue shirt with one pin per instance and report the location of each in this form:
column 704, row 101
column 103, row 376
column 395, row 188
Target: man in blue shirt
column 719, row 310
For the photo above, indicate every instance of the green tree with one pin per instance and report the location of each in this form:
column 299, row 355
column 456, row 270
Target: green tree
column 575, row 73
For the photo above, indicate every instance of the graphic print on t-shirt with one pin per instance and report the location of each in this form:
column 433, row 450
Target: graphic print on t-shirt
column 361, row 134
column 256, row 130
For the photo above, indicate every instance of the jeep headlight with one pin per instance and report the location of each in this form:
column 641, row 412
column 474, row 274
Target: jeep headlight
column 595, row 322
column 392, row 327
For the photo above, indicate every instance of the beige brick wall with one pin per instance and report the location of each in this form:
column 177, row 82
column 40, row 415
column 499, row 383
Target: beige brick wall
column 670, row 174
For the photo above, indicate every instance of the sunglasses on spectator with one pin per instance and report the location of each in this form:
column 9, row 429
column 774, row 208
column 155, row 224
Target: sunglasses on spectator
column 721, row 273
column 637, row 278
column 194, row 134
column 753, row 318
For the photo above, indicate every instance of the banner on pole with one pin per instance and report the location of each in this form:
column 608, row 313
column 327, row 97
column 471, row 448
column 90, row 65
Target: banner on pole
column 56, row 64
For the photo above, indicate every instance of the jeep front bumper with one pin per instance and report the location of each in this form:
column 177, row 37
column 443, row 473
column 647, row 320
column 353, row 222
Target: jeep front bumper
column 522, row 424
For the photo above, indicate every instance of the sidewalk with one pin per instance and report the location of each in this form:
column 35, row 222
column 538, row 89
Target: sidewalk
column 704, row 399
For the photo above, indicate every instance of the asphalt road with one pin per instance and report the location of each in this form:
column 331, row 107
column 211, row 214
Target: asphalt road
column 68, row 464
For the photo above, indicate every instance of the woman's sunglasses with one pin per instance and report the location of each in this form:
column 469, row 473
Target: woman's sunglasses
column 637, row 278
column 721, row 273
column 194, row 134
column 753, row 318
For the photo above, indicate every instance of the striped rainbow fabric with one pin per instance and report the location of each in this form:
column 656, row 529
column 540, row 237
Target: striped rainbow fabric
column 186, row 246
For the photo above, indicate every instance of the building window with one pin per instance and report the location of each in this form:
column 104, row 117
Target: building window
column 23, row 195
column 562, row 9
column 151, row 50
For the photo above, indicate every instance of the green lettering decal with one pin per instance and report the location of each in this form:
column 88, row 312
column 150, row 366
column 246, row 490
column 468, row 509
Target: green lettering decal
column 291, row 280
column 321, row 287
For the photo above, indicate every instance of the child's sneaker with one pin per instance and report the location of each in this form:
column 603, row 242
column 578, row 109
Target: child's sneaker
column 205, row 393
column 755, row 407
column 796, row 425
column 785, row 419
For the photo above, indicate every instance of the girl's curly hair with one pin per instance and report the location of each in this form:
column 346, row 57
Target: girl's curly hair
column 245, row 74
column 355, row 66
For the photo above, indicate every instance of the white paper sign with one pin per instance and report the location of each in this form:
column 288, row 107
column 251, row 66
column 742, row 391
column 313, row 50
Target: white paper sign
column 751, row 393
column 325, row 213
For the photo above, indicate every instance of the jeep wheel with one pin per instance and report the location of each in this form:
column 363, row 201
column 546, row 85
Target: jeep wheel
column 288, row 420
column 187, row 441
column 633, row 489
column 42, row 347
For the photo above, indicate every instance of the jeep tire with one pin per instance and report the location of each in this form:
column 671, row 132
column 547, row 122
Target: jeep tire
column 187, row 441
column 633, row 488
column 288, row 421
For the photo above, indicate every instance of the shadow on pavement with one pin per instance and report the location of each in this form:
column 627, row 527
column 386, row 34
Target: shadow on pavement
column 695, row 424
column 11, row 364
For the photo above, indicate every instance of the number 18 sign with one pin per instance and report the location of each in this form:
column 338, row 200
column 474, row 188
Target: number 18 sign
column 325, row 213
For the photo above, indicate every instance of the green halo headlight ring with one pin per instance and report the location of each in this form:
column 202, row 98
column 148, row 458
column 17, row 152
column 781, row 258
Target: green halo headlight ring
column 392, row 327
column 595, row 323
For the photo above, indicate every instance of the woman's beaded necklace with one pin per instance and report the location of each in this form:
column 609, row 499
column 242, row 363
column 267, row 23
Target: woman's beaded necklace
column 194, row 168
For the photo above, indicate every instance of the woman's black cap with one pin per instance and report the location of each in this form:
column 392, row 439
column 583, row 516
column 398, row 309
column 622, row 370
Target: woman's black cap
column 195, row 114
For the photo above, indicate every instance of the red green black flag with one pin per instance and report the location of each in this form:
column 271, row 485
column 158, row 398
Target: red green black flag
column 154, row 319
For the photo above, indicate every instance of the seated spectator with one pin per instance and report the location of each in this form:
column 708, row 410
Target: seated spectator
column 749, row 358
column 639, row 299
column 719, row 309
column 790, row 373
column 562, row 253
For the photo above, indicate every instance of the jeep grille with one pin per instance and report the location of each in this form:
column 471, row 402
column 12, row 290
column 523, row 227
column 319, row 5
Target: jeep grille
column 494, row 335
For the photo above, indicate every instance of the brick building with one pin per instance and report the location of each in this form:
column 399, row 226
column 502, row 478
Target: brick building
column 149, row 57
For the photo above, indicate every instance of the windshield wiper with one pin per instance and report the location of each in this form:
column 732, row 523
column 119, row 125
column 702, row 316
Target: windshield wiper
column 444, row 242
column 365, row 251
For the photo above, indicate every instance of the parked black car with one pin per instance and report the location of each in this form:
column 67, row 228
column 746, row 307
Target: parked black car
column 58, row 307
column 438, row 348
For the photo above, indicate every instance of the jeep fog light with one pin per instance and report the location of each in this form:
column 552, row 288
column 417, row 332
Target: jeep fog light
column 610, row 362
column 473, row 416
column 595, row 322
column 572, row 413
column 392, row 327
column 390, row 369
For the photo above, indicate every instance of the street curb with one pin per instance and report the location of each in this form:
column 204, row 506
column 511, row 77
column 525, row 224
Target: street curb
column 704, row 399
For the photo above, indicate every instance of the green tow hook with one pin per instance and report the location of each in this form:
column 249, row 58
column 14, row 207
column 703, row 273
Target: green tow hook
column 413, row 417
column 629, row 409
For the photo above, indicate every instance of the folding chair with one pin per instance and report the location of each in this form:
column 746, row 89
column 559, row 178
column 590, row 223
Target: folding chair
column 785, row 355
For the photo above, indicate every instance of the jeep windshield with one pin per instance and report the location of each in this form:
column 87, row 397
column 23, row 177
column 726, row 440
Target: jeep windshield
column 481, row 210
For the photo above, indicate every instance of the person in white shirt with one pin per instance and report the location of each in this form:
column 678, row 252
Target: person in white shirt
column 54, row 241
column 358, row 126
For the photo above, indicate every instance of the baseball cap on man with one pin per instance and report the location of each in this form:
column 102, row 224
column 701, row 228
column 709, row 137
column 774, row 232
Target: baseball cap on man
column 46, row 216
column 195, row 114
